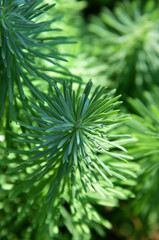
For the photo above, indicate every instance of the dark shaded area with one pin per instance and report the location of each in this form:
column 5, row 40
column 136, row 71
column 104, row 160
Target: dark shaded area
column 126, row 226
column 95, row 6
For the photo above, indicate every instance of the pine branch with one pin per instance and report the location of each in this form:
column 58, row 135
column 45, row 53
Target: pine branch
column 145, row 127
column 22, row 44
column 126, row 40
column 69, row 131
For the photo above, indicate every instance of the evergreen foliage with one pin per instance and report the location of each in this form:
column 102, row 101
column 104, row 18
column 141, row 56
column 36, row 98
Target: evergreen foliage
column 71, row 129
column 21, row 44
column 69, row 158
column 145, row 127
column 128, row 36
